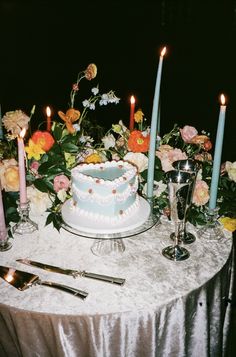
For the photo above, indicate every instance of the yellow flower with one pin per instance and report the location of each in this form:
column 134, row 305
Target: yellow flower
column 228, row 223
column 138, row 116
column 93, row 158
column 34, row 150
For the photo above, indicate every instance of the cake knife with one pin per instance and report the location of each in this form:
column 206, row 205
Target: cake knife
column 23, row 280
column 74, row 273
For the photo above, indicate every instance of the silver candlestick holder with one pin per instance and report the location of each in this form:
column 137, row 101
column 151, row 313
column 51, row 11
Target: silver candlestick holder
column 213, row 230
column 5, row 244
column 25, row 224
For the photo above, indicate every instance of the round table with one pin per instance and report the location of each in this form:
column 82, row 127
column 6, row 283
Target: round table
column 165, row 308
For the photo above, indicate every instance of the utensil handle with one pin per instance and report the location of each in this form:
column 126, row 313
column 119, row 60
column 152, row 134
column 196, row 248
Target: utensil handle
column 106, row 278
column 81, row 294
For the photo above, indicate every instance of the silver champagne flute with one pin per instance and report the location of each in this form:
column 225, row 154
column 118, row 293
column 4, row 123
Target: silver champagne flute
column 192, row 166
column 179, row 183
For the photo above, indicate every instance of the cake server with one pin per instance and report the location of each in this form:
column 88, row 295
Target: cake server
column 74, row 273
column 22, row 280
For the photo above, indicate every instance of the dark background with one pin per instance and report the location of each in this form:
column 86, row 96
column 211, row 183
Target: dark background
column 44, row 44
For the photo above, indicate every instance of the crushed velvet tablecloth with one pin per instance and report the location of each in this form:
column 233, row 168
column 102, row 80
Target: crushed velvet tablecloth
column 164, row 309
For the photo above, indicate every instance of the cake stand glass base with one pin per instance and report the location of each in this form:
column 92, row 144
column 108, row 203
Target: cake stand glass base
column 25, row 224
column 213, row 230
column 102, row 247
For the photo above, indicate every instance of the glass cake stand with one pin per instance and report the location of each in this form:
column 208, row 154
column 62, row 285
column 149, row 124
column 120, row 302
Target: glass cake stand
column 108, row 243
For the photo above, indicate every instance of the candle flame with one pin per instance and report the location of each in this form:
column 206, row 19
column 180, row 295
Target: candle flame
column 22, row 133
column 163, row 52
column 48, row 111
column 222, row 99
column 132, row 99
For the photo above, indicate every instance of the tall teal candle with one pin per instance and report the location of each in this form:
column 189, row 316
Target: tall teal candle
column 154, row 126
column 217, row 155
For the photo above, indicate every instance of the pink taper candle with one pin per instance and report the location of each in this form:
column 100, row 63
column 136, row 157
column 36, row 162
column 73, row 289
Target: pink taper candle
column 21, row 163
column 132, row 108
column 3, row 229
column 48, row 112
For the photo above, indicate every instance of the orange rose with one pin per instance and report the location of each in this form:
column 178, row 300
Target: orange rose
column 138, row 142
column 44, row 139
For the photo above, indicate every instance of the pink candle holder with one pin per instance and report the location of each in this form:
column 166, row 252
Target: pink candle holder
column 25, row 224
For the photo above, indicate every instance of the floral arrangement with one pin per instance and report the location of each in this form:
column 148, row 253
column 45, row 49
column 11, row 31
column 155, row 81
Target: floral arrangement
column 50, row 156
column 178, row 144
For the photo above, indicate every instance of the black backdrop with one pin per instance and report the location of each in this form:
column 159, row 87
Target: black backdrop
column 44, row 44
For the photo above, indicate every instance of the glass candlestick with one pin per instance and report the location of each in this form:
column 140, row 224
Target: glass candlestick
column 213, row 229
column 25, row 224
column 5, row 244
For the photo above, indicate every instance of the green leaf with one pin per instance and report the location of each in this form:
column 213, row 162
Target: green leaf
column 57, row 132
column 43, row 185
column 69, row 147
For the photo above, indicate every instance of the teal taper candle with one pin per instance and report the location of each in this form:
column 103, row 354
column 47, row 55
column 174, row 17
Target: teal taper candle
column 154, row 126
column 217, row 154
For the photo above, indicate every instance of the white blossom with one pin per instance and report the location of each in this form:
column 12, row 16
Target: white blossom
column 138, row 159
column 39, row 201
column 109, row 141
column 62, row 195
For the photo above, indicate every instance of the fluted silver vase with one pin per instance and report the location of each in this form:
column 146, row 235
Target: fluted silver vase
column 191, row 166
column 179, row 184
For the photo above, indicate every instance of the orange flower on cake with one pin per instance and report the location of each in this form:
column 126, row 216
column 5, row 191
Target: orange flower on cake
column 138, row 142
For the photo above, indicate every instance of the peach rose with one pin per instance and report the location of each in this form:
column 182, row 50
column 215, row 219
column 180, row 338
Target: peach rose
column 201, row 193
column 188, row 133
column 168, row 155
column 9, row 175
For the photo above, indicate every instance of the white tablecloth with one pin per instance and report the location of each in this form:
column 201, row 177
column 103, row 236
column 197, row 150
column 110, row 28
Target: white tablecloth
column 164, row 309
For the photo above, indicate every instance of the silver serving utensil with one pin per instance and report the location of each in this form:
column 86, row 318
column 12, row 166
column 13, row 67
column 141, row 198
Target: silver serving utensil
column 74, row 273
column 22, row 280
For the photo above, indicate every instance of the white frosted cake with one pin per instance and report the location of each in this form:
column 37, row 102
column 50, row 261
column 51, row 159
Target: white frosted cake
column 104, row 197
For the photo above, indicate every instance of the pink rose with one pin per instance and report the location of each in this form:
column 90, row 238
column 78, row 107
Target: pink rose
column 61, row 182
column 188, row 133
column 34, row 166
column 168, row 156
column 201, row 193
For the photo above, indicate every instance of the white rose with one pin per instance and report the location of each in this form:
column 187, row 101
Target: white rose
column 39, row 201
column 231, row 170
column 138, row 159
